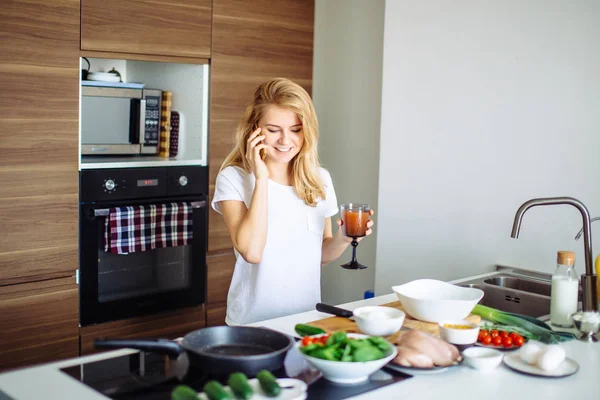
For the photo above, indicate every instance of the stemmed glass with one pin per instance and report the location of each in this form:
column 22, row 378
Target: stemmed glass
column 355, row 218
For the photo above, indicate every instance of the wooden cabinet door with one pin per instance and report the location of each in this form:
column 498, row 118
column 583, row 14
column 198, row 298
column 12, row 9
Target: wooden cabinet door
column 39, row 112
column 220, row 269
column 253, row 41
column 168, row 325
column 174, row 28
column 40, row 322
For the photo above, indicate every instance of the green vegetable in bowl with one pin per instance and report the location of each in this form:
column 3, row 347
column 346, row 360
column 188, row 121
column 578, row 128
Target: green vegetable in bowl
column 367, row 353
column 340, row 347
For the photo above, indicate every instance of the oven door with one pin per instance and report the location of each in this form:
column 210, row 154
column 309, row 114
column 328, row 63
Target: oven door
column 119, row 286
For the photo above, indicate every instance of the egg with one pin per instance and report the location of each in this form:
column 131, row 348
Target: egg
column 530, row 352
column 551, row 357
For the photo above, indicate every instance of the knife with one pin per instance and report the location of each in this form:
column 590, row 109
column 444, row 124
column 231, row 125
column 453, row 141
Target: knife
column 339, row 312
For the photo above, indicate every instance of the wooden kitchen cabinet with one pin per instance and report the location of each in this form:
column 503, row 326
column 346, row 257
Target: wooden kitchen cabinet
column 167, row 325
column 252, row 41
column 220, row 269
column 39, row 111
column 40, row 322
column 174, row 28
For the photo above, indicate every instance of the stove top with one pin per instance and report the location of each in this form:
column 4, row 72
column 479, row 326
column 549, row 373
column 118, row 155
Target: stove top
column 151, row 376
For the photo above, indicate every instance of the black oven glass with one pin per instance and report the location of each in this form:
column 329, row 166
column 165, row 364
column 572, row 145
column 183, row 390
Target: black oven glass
column 122, row 276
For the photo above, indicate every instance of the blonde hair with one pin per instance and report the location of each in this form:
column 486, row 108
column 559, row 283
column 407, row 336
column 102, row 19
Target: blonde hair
column 284, row 93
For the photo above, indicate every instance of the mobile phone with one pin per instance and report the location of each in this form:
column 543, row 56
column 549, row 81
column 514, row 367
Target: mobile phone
column 262, row 152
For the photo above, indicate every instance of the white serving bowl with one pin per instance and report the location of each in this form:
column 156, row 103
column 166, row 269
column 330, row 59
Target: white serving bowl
column 431, row 300
column 345, row 371
column 482, row 358
column 459, row 336
column 378, row 320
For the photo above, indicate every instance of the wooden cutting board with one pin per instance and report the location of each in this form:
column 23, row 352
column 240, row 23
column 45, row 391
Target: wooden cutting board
column 345, row 324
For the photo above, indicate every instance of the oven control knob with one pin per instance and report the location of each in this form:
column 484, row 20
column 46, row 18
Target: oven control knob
column 183, row 180
column 109, row 184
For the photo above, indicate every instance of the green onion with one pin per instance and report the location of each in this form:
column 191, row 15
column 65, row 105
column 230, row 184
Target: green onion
column 536, row 329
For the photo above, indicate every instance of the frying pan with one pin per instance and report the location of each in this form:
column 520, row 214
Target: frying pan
column 219, row 350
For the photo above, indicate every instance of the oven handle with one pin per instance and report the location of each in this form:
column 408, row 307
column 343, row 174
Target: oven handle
column 103, row 212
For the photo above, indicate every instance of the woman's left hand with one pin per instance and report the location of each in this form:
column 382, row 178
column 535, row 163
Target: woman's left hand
column 348, row 239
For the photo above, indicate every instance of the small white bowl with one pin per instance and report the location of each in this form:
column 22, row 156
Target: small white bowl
column 378, row 320
column 431, row 300
column 481, row 358
column 459, row 336
column 345, row 371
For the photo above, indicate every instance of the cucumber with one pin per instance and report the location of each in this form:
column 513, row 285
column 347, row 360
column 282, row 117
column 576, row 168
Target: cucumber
column 215, row 391
column 307, row 330
column 238, row 382
column 183, row 392
column 268, row 383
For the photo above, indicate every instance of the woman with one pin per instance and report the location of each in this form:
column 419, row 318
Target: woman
column 277, row 204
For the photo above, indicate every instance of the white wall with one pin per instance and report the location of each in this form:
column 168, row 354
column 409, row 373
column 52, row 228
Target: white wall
column 485, row 104
column 347, row 96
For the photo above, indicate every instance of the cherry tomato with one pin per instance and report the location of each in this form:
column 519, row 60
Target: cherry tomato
column 494, row 333
column 322, row 339
column 514, row 335
column 507, row 342
column 518, row 341
column 306, row 340
column 487, row 339
column 503, row 334
column 497, row 341
column 482, row 334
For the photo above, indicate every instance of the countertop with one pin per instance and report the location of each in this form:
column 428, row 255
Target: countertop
column 47, row 382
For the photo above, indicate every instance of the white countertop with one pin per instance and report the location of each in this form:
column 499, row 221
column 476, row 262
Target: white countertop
column 47, row 382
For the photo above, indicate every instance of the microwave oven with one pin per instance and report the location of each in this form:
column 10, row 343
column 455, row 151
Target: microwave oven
column 120, row 120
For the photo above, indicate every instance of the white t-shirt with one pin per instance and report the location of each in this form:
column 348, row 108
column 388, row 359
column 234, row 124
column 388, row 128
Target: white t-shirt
column 288, row 278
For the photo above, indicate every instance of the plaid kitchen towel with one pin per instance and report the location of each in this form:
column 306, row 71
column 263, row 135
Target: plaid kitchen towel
column 142, row 228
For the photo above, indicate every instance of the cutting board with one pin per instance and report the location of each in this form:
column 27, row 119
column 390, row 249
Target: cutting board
column 345, row 324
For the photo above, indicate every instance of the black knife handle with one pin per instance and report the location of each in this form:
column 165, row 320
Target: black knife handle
column 340, row 312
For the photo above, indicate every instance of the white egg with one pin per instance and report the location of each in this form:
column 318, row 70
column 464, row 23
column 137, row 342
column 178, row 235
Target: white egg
column 530, row 352
column 552, row 356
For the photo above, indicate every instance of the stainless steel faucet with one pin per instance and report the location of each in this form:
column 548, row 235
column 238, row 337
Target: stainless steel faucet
column 588, row 280
column 578, row 236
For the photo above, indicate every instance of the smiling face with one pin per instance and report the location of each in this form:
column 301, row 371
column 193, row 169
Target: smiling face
column 284, row 135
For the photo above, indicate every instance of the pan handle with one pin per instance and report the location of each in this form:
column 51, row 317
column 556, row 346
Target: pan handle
column 168, row 347
column 340, row 312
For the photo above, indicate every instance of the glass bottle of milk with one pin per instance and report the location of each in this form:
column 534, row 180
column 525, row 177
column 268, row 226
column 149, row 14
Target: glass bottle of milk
column 565, row 290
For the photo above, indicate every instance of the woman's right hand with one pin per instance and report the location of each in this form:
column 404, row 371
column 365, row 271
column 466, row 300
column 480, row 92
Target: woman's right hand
column 253, row 147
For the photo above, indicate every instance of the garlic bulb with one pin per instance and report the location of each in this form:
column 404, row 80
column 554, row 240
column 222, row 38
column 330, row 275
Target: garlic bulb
column 551, row 357
column 530, row 352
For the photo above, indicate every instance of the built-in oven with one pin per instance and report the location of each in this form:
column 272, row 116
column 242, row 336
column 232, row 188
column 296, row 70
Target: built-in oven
column 138, row 281
column 120, row 120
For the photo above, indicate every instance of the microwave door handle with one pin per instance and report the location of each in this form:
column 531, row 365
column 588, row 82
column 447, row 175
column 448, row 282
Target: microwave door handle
column 142, row 137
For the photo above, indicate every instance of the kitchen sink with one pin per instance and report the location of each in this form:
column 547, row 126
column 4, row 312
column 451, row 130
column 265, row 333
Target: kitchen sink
column 524, row 285
column 514, row 294
column 515, row 301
